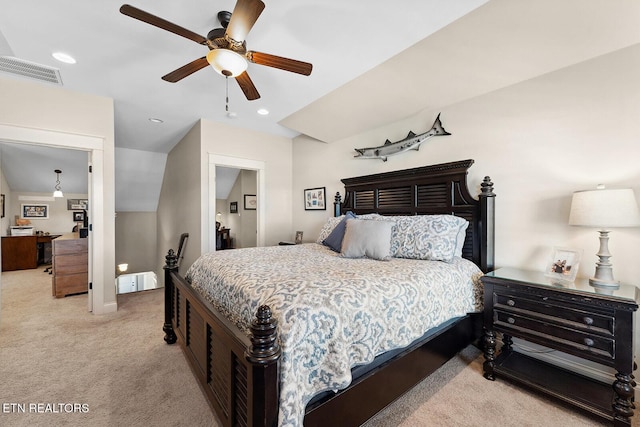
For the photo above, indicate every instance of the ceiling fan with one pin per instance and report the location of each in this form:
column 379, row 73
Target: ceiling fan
column 228, row 53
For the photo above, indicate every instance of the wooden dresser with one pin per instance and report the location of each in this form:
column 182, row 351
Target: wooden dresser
column 70, row 265
column 592, row 323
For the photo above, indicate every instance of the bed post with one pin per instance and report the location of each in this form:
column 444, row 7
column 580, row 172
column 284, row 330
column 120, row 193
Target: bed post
column 264, row 356
column 487, row 220
column 171, row 266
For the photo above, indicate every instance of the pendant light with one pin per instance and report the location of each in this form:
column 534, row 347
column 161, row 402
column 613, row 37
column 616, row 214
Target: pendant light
column 58, row 191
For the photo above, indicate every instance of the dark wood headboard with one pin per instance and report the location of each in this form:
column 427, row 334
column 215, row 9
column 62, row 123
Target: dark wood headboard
column 428, row 190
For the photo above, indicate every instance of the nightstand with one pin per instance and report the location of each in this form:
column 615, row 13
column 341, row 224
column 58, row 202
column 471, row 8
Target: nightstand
column 575, row 318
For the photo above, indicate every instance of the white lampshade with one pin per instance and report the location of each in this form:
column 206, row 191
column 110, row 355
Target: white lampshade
column 604, row 208
column 227, row 62
column 58, row 193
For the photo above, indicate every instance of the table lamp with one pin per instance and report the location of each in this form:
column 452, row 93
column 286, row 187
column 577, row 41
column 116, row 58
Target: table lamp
column 604, row 209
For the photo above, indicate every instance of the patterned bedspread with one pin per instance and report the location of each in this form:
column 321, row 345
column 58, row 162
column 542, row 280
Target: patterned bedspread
column 333, row 313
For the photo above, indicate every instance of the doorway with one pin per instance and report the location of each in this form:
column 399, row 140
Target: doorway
column 236, row 215
column 250, row 167
column 28, row 180
column 94, row 146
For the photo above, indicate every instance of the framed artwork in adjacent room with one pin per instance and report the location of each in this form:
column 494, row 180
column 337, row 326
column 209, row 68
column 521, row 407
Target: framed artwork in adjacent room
column 233, row 207
column 315, row 199
column 34, row 211
column 250, row 202
column 2, row 205
column 77, row 204
column 78, row 216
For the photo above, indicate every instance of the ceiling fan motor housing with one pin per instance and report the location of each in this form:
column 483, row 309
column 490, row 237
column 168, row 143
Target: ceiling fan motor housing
column 224, row 17
column 216, row 34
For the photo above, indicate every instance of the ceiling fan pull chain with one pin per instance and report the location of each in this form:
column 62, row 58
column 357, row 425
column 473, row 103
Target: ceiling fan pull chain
column 227, row 94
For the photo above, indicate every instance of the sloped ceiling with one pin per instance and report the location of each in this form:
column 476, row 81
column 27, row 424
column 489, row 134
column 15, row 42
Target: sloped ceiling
column 497, row 45
column 373, row 64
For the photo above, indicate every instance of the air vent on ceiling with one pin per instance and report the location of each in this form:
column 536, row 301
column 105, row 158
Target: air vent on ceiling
column 20, row 67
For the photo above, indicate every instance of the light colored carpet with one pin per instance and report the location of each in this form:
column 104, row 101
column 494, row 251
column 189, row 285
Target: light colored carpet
column 52, row 351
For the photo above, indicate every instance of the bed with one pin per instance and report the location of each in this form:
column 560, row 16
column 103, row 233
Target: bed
column 238, row 357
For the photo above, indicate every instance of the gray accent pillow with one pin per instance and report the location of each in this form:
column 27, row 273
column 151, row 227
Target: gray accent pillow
column 334, row 239
column 367, row 238
column 333, row 221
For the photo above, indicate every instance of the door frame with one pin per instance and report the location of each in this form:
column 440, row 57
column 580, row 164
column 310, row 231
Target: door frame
column 209, row 198
column 95, row 147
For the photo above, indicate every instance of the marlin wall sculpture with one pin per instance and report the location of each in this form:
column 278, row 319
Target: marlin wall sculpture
column 411, row 142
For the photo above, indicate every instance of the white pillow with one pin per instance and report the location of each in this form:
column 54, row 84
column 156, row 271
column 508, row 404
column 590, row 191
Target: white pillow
column 367, row 238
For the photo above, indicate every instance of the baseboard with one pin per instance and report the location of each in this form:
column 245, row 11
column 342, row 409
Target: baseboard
column 111, row 307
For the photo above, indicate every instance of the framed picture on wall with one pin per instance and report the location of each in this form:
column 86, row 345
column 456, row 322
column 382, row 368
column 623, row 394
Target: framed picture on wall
column 250, row 202
column 233, row 207
column 314, row 199
column 34, row 211
column 78, row 216
column 2, row 205
column 77, row 204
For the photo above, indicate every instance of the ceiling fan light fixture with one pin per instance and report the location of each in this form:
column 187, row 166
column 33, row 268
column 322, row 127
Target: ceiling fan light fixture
column 227, row 62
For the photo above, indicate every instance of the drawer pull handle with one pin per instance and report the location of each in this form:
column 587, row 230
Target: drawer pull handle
column 588, row 342
column 511, row 320
column 511, row 302
column 588, row 321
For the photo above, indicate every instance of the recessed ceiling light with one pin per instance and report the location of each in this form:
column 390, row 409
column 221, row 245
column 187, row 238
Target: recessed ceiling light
column 154, row 120
column 263, row 111
column 63, row 57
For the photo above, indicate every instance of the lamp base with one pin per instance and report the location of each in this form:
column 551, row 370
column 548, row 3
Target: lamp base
column 597, row 283
column 604, row 268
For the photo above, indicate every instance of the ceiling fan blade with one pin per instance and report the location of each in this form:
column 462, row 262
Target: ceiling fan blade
column 245, row 83
column 143, row 16
column 186, row 70
column 286, row 64
column 243, row 17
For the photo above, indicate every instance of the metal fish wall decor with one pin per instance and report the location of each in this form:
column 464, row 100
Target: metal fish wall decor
column 411, row 142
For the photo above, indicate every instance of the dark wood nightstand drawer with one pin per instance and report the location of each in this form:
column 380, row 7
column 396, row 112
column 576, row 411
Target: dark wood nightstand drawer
column 580, row 343
column 576, row 316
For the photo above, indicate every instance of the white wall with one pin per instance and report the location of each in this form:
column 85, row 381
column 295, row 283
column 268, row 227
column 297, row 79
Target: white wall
column 5, row 221
column 275, row 152
column 137, row 241
column 540, row 141
column 243, row 225
column 60, row 219
column 179, row 204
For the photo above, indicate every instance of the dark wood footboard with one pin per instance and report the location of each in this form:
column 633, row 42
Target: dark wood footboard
column 238, row 374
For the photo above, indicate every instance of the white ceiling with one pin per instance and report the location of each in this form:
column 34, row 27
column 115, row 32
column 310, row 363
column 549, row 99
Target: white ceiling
column 373, row 64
